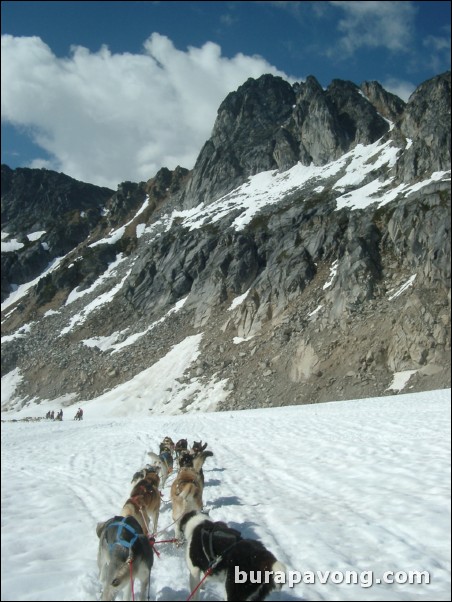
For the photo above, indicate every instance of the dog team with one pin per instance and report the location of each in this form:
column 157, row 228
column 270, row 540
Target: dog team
column 212, row 548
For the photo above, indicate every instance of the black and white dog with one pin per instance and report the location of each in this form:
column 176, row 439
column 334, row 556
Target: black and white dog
column 121, row 543
column 247, row 568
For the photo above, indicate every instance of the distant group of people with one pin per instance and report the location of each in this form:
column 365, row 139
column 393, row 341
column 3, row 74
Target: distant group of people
column 59, row 415
column 79, row 414
column 51, row 415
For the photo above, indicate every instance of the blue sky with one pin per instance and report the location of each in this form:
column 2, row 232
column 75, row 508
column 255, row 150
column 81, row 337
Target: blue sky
column 112, row 91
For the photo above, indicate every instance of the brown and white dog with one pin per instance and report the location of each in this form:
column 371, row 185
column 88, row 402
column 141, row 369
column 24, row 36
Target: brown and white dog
column 196, row 461
column 124, row 540
column 215, row 546
column 186, row 495
column 167, row 444
column 144, row 501
column 142, row 474
column 199, row 458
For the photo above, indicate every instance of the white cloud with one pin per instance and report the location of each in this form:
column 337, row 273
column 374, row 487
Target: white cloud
column 106, row 118
column 375, row 24
column 438, row 51
column 401, row 88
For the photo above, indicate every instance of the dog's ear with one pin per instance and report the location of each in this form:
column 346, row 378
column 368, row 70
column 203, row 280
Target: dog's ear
column 99, row 529
column 203, row 447
column 155, row 458
column 153, row 468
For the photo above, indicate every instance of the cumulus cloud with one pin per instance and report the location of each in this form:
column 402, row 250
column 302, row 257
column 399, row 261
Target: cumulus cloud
column 375, row 24
column 105, row 118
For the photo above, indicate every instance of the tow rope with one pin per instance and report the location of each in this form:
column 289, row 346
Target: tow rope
column 207, row 573
column 130, row 561
column 154, row 543
column 214, row 563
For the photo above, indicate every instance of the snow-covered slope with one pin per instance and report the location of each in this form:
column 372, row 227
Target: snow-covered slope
column 357, row 486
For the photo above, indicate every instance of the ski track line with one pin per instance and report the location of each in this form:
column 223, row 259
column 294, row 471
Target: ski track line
column 251, row 516
column 251, row 483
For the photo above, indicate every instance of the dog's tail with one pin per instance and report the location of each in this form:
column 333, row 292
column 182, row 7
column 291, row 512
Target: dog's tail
column 100, row 528
column 157, row 460
column 119, row 567
column 162, row 466
column 199, row 460
column 188, row 489
column 279, row 574
column 121, row 575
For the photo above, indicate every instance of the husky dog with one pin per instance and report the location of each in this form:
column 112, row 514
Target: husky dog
column 122, row 543
column 209, row 542
column 198, row 447
column 124, row 540
column 186, row 495
column 199, row 453
column 199, row 459
column 188, row 460
column 167, row 445
column 142, row 474
column 165, row 462
column 145, row 500
column 181, row 446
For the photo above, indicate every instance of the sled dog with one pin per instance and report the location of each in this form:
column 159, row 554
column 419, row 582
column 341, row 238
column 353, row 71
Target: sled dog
column 209, row 541
column 121, row 542
column 186, row 495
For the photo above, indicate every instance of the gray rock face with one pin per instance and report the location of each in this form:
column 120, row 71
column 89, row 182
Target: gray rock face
column 268, row 124
column 388, row 105
column 333, row 302
column 243, row 138
column 35, row 200
column 426, row 124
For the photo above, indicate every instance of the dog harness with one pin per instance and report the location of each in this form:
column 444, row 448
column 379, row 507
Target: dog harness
column 167, row 458
column 122, row 525
column 217, row 539
column 193, row 480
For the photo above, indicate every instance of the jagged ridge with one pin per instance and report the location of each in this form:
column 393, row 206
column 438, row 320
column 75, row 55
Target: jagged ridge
column 311, row 336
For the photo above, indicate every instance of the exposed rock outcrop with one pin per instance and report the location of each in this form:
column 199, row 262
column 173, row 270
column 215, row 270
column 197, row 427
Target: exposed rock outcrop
column 426, row 125
column 336, row 277
column 269, row 124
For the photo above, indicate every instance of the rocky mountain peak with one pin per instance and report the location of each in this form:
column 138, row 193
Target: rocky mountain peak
column 387, row 104
column 243, row 138
column 426, row 124
column 32, row 197
column 166, row 182
column 269, row 124
column 305, row 258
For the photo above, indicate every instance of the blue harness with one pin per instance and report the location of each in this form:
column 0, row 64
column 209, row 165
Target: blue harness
column 119, row 540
